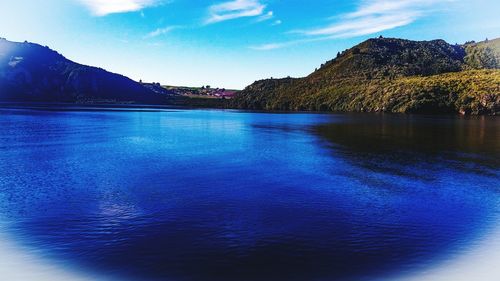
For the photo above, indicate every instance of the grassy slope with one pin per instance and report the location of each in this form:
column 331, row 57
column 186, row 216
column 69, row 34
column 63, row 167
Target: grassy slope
column 391, row 75
column 471, row 91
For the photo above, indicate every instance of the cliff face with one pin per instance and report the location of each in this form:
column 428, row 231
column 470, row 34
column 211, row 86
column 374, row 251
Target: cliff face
column 30, row 72
column 392, row 75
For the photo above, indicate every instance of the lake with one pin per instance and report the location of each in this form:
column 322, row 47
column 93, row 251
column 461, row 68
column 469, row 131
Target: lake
column 212, row 195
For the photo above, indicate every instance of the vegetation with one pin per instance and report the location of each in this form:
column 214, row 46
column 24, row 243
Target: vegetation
column 391, row 75
column 383, row 74
column 482, row 55
column 197, row 101
column 203, row 92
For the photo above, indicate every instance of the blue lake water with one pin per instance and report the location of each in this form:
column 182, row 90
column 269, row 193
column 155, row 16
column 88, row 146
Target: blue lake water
column 207, row 195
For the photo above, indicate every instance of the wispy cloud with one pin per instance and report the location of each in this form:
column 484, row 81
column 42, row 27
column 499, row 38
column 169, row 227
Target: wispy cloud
column 237, row 9
column 374, row 16
column 274, row 46
column 267, row 16
column 370, row 17
column 380, row 7
column 277, row 22
column 271, row 46
column 106, row 7
column 161, row 31
column 364, row 25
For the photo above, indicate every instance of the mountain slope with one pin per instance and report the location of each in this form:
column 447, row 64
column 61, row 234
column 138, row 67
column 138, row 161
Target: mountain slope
column 392, row 75
column 379, row 58
column 30, row 72
column 482, row 55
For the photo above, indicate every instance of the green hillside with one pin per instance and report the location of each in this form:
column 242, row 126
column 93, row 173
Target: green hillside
column 391, row 75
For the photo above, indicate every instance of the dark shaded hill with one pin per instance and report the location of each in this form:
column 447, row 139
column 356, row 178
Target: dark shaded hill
column 33, row 73
column 392, row 75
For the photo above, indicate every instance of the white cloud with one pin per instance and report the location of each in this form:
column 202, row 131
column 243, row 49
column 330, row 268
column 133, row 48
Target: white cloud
column 267, row 16
column 365, row 25
column 161, row 31
column 106, row 7
column 277, row 22
column 271, row 46
column 274, row 46
column 370, row 17
column 374, row 16
column 374, row 7
column 236, row 9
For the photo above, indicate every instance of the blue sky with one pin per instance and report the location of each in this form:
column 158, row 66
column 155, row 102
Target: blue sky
column 231, row 43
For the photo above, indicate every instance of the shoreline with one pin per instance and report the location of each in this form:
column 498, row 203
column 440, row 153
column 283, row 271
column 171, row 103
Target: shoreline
column 128, row 107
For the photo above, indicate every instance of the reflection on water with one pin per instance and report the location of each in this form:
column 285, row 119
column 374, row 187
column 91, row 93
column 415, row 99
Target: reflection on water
column 220, row 195
column 415, row 146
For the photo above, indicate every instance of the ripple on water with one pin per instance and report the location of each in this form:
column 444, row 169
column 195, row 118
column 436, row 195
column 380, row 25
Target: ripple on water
column 215, row 195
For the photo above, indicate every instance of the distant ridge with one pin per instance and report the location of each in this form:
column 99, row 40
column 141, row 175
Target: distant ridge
column 32, row 73
column 378, row 75
column 391, row 75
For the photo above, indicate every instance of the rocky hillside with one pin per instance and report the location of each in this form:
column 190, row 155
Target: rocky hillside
column 31, row 73
column 392, row 75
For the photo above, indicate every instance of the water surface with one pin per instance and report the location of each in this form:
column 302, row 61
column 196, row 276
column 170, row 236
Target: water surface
column 208, row 195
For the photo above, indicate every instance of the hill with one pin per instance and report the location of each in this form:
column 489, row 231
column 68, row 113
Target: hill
column 33, row 73
column 391, row 75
